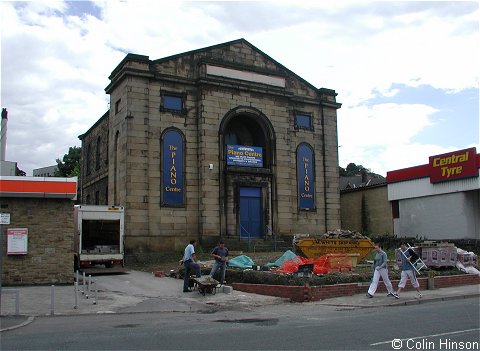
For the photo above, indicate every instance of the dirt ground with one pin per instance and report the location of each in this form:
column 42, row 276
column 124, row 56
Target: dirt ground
column 168, row 262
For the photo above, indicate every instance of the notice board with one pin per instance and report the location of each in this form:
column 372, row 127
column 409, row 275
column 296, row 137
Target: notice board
column 17, row 241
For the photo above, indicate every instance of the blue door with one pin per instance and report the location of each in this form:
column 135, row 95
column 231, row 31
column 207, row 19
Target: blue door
column 251, row 212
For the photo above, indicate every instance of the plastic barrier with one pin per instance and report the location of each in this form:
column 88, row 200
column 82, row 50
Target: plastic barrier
column 322, row 265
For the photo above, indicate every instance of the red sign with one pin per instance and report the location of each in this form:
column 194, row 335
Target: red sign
column 453, row 165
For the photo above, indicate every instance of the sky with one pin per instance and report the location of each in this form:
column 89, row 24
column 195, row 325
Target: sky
column 406, row 72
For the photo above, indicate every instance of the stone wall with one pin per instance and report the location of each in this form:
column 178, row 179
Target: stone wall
column 50, row 241
column 137, row 119
column 94, row 165
column 367, row 210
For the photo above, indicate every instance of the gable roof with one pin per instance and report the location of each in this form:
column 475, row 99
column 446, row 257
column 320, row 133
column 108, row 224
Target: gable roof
column 145, row 59
column 352, row 183
column 253, row 47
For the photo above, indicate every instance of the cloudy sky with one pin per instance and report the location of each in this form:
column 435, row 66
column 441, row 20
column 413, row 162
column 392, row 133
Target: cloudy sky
column 406, row 72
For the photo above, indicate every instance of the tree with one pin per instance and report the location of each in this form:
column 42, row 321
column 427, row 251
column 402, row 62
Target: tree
column 353, row 169
column 70, row 166
column 19, row 172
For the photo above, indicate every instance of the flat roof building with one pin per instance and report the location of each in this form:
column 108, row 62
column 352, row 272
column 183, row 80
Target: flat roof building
column 439, row 200
column 48, row 171
column 37, row 230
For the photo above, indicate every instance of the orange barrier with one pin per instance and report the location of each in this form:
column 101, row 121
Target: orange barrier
column 321, row 265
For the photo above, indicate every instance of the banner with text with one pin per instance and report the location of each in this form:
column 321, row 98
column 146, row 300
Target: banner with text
column 305, row 177
column 244, row 156
column 173, row 187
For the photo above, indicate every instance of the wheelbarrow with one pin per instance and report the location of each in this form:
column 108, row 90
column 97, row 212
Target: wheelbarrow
column 206, row 284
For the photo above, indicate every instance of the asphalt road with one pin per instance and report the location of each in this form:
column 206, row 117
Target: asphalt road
column 429, row 326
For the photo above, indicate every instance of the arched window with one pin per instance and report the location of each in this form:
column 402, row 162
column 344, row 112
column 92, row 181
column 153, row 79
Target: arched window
column 88, row 160
column 248, row 127
column 116, row 170
column 97, row 153
column 306, row 177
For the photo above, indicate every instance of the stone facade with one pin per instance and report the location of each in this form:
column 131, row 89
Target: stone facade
column 231, row 93
column 367, row 210
column 50, row 241
column 94, row 176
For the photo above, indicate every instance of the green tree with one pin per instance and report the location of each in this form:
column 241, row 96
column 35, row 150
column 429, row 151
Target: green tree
column 70, row 165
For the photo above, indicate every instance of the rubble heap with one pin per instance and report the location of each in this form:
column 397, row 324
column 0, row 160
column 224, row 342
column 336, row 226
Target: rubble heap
column 343, row 234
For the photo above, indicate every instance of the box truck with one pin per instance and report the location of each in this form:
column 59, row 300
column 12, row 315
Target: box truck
column 98, row 236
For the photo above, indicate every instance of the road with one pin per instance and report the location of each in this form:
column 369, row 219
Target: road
column 435, row 325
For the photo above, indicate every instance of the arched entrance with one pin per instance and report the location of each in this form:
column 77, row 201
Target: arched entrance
column 247, row 174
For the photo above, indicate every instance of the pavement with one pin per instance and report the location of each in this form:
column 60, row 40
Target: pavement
column 136, row 291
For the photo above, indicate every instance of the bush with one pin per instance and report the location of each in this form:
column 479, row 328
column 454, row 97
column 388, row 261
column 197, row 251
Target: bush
column 272, row 278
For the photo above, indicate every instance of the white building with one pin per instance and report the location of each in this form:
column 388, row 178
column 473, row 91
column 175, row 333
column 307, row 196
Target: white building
column 45, row 171
column 439, row 200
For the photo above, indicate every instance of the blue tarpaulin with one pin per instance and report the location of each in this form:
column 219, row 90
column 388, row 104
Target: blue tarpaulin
column 243, row 262
column 287, row 255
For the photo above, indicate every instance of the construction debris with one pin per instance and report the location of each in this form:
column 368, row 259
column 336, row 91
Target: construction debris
column 343, row 234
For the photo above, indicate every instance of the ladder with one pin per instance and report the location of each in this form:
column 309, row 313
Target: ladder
column 418, row 264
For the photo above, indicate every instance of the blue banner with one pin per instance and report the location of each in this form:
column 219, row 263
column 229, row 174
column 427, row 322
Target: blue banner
column 172, row 150
column 244, row 156
column 305, row 177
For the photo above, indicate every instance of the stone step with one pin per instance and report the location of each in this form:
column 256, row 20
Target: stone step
column 256, row 245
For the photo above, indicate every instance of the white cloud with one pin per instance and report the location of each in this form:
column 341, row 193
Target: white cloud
column 378, row 137
column 55, row 64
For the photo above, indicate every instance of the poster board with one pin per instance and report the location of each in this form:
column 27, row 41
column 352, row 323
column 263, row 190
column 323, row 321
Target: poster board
column 244, row 156
column 17, row 241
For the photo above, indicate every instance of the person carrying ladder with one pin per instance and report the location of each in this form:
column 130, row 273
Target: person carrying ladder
column 408, row 270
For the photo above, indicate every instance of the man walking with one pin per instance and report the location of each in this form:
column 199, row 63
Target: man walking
column 220, row 253
column 408, row 271
column 190, row 264
column 380, row 270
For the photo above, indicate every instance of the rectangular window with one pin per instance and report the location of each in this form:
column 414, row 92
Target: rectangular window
column 395, row 209
column 117, row 106
column 172, row 103
column 303, row 121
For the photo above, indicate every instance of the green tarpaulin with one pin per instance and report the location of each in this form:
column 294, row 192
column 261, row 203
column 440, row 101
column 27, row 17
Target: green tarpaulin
column 287, row 255
column 243, row 262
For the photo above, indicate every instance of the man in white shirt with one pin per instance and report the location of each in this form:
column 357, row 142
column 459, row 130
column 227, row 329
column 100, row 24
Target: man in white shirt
column 190, row 264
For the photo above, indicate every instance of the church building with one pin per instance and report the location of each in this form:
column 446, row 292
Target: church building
column 219, row 142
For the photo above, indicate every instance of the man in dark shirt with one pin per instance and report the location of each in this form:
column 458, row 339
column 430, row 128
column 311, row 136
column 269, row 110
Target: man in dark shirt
column 408, row 271
column 220, row 253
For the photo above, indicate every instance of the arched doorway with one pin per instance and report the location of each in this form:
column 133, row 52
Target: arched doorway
column 247, row 174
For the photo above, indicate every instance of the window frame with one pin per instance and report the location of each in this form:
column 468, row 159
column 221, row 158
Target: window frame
column 117, row 105
column 182, row 97
column 303, row 114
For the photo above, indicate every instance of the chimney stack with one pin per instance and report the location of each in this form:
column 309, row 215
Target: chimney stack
column 3, row 135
